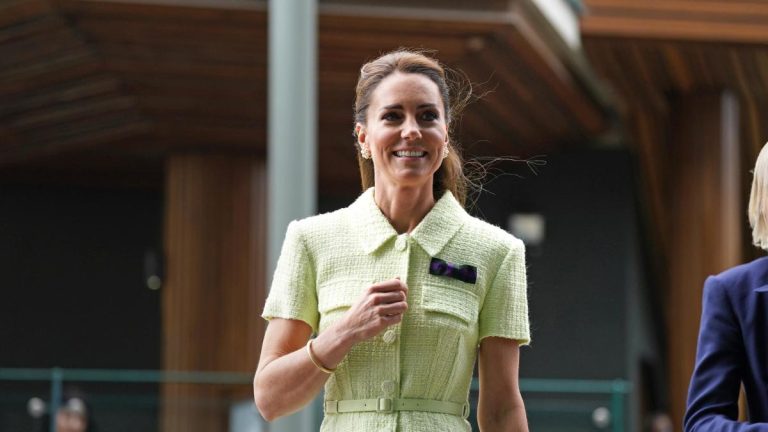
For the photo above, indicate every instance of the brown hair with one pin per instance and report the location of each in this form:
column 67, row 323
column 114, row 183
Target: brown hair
column 455, row 92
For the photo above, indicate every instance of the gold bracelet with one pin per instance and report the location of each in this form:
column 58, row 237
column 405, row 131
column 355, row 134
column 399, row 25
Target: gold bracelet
column 315, row 361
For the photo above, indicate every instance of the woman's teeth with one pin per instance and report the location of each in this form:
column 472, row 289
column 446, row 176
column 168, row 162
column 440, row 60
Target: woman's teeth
column 403, row 153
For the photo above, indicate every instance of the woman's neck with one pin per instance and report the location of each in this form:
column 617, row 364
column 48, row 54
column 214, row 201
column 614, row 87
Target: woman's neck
column 404, row 207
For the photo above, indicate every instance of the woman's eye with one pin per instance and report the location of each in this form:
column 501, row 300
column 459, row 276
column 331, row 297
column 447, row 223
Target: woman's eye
column 429, row 116
column 390, row 116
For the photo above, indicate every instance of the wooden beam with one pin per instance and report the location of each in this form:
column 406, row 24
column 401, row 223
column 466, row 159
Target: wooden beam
column 239, row 5
column 66, row 113
column 740, row 21
column 214, row 289
column 706, row 216
column 14, row 11
column 61, row 94
column 89, row 132
column 556, row 77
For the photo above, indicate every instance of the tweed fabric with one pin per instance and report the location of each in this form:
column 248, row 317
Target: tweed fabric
column 326, row 263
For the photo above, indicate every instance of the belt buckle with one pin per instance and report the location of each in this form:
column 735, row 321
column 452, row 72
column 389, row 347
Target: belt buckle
column 332, row 406
column 385, row 405
column 465, row 410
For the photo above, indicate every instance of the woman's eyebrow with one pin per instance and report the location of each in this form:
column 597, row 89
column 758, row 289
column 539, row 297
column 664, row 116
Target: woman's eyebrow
column 400, row 106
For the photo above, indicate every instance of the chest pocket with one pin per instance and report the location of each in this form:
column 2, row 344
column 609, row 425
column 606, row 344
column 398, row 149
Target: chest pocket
column 336, row 296
column 450, row 303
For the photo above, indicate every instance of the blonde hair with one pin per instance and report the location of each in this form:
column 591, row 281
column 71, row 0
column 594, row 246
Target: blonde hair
column 455, row 93
column 758, row 201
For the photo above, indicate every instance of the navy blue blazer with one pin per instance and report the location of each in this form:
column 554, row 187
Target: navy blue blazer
column 733, row 348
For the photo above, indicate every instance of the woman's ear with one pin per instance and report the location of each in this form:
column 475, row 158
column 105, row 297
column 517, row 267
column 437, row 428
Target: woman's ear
column 360, row 134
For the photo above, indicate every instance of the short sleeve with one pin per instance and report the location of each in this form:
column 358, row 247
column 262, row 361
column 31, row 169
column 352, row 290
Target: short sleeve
column 505, row 308
column 293, row 294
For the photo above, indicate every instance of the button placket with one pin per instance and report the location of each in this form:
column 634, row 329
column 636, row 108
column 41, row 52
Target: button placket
column 402, row 244
column 388, row 388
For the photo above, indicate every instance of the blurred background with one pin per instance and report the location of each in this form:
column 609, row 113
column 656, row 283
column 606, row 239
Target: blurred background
column 153, row 151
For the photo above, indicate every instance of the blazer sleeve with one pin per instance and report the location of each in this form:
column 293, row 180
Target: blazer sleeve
column 714, row 390
column 293, row 294
column 505, row 308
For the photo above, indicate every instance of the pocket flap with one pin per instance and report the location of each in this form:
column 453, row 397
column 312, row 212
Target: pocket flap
column 339, row 293
column 451, row 300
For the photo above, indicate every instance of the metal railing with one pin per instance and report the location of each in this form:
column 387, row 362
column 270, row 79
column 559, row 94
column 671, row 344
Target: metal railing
column 613, row 392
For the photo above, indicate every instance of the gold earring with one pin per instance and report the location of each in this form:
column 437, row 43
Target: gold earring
column 445, row 151
column 365, row 152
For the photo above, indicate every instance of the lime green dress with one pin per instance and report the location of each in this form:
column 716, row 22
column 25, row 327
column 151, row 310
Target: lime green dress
column 326, row 263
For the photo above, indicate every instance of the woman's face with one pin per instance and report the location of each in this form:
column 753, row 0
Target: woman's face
column 405, row 131
column 69, row 421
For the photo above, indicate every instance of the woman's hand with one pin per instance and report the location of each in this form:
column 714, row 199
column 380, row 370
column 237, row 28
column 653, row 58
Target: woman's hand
column 284, row 366
column 382, row 305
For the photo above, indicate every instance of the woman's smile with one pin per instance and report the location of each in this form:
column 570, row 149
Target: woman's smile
column 409, row 154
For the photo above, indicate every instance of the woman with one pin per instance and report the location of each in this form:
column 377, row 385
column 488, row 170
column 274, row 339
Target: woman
column 402, row 286
column 733, row 337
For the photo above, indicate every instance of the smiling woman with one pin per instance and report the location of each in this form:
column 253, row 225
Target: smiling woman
column 401, row 287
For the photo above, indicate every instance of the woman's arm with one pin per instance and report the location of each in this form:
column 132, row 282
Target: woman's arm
column 286, row 379
column 501, row 406
column 714, row 390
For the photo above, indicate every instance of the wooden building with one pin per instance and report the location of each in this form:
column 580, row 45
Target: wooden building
column 170, row 96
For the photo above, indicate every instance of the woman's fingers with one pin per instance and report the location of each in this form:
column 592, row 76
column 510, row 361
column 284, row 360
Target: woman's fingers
column 388, row 285
column 390, row 320
column 388, row 297
column 393, row 309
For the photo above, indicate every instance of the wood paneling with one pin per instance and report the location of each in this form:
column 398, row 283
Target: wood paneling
column 654, row 54
column 705, row 221
column 214, row 292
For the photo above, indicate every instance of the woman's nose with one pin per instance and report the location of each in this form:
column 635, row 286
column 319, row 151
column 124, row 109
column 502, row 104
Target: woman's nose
column 411, row 130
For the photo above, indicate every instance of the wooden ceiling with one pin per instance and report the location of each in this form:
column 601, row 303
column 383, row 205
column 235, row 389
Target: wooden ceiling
column 104, row 90
column 655, row 52
column 651, row 51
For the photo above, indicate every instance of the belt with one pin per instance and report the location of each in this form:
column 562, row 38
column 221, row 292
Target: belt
column 388, row 405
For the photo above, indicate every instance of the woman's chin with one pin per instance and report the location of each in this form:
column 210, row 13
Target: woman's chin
column 412, row 178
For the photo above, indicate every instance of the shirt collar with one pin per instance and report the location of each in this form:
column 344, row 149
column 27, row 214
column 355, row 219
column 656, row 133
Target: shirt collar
column 432, row 233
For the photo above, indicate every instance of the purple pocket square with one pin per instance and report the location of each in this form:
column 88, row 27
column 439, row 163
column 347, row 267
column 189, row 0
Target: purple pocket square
column 465, row 273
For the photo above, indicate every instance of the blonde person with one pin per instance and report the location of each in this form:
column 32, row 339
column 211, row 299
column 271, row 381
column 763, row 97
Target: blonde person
column 733, row 337
column 403, row 288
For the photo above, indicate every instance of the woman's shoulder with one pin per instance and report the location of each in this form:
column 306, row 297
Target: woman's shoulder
column 749, row 275
column 471, row 233
column 489, row 235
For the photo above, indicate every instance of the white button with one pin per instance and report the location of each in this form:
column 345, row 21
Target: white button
column 389, row 336
column 388, row 387
column 401, row 242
